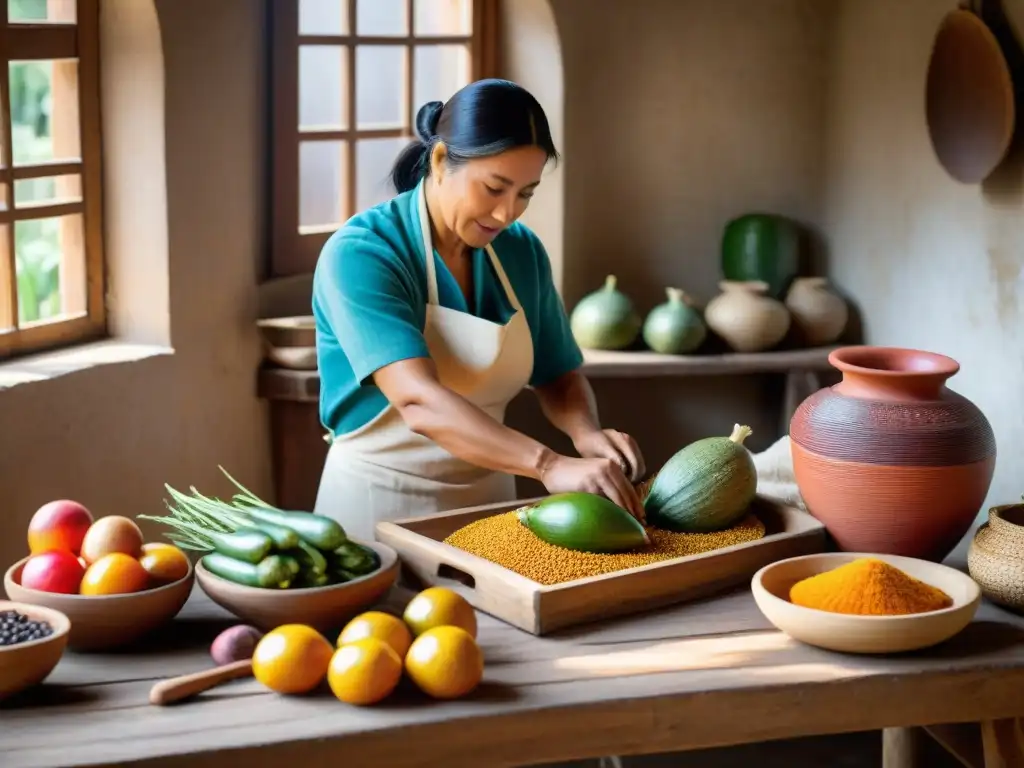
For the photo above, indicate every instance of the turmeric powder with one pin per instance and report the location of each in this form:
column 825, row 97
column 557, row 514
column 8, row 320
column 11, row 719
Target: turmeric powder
column 868, row 587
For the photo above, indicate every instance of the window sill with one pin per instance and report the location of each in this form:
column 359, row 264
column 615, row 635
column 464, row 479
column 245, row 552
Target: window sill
column 51, row 365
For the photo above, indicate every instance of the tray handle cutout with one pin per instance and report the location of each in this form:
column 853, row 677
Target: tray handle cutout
column 451, row 573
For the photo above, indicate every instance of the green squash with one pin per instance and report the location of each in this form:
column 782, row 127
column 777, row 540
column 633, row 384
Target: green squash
column 584, row 522
column 707, row 486
column 761, row 247
column 675, row 327
column 605, row 319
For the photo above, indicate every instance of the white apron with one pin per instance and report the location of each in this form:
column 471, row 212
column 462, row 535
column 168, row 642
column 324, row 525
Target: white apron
column 383, row 471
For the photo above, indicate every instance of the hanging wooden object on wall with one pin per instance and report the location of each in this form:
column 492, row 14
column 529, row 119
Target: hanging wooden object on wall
column 969, row 97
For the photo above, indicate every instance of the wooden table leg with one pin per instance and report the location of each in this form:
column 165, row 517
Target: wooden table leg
column 1003, row 743
column 904, row 747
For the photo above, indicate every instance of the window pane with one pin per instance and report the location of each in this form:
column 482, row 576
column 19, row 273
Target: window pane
column 374, row 158
column 3, row 197
column 50, row 264
column 323, row 17
column 48, row 190
column 443, row 18
column 322, row 175
column 441, row 70
column 44, row 111
column 36, row 11
column 323, row 82
column 381, row 18
column 380, row 86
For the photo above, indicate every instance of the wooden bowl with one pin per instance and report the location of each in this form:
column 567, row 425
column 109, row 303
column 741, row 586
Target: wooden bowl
column 864, row 634
column 290, row 341
column 101, row 622
column 27, row 664
column 323, row 608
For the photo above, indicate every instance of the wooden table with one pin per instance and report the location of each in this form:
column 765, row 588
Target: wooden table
column 705, row 674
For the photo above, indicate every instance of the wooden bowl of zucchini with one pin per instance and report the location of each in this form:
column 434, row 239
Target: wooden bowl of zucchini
column 269, row 567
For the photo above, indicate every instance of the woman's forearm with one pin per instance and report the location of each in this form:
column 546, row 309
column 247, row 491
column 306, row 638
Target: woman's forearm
column 569, row 404
column 465, row 431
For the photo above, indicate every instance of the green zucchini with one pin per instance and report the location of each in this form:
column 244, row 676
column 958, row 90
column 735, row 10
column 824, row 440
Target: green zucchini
column 310, row 580
column 706, row 486
column 584, row 522
column 282, row 536
column 355, row 558
column 310, row 558
column 321, row 532
column 247, row 544
column 273, row 572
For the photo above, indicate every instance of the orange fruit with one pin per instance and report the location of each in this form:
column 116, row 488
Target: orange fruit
column 364, row 671
column 445, row 662
column 114, row 574
column 292, row 658
column 164, row 562
column 380, row 625
column 439, row 607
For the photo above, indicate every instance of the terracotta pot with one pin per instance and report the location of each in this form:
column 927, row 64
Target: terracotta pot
column 746, row 317
column 819, row 315
column 996, row 556
column 890, row 459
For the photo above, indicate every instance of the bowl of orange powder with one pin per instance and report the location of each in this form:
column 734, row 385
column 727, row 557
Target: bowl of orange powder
column 857, row 602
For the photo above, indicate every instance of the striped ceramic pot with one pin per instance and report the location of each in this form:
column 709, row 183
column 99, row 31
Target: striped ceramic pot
column 890, row 459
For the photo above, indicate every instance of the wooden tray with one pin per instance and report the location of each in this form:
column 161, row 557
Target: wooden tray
column 540, row 609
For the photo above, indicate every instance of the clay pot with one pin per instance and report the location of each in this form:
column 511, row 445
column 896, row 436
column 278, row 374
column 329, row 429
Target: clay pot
column 890, row 459
column 819, row 315
column 995, row 558
column 746, row 317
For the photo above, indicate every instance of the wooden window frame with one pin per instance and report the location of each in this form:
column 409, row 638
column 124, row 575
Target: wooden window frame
column 55, row 41
column 294, row 252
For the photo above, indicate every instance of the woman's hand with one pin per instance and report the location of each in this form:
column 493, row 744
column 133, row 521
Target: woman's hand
column 616, row 446
column 600, row 476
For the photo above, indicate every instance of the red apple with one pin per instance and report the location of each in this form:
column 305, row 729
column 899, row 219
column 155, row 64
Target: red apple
column 58, row 525
column 55, row 571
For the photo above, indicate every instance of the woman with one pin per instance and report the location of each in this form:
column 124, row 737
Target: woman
column 433, row 311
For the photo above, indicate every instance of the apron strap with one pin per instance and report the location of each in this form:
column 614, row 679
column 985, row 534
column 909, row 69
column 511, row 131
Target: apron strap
column 500, row 271
column 428, row 246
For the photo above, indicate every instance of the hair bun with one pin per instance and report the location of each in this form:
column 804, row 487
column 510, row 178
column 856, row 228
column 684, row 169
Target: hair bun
column 426, row 120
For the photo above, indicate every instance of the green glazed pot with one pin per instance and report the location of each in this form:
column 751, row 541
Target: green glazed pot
column 761, row 246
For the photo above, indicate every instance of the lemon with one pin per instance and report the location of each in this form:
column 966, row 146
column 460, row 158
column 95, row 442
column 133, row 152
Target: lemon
column 439, row 607
column 364, row 671
column 292, row 658
column 380, row 625
column 445, row 662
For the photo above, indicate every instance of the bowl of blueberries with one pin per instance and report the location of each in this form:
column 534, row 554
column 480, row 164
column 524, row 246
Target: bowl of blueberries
column 32, row 641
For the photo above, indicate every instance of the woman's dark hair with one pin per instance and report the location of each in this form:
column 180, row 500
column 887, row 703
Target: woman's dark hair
column 482, row 119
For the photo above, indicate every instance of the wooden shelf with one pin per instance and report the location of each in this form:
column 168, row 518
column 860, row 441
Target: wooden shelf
column 600, row 364
column 304, row 386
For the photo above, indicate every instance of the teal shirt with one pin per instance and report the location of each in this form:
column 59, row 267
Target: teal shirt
column 370, row 299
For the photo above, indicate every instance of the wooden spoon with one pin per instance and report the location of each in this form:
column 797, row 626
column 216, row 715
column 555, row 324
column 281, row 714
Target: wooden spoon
column 177, row 688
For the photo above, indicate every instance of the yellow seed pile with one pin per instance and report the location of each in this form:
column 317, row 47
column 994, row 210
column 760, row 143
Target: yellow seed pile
column 502, row 539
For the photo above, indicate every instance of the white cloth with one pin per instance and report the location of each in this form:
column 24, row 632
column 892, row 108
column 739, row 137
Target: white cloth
column 383, row 471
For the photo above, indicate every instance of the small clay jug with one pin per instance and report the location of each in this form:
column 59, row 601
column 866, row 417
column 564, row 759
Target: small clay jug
column 995, row 558
column 746, row 317
column 819, row 315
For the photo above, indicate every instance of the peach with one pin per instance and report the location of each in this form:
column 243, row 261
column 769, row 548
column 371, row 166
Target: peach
column 59, row 525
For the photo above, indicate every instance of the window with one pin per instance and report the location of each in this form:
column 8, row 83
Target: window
column 348, row 78
column 51, row 260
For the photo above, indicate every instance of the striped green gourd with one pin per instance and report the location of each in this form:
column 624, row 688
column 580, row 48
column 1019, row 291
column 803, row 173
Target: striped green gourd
column 706, row 486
